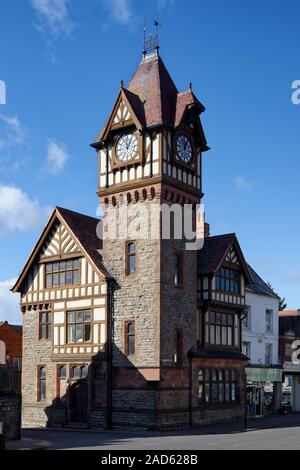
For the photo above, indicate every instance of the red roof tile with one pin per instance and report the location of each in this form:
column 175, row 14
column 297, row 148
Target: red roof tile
column 154, row 97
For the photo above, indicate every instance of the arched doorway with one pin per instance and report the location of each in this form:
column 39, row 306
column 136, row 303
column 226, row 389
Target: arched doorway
column 78, row 395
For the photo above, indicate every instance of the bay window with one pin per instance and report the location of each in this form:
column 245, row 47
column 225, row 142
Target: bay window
column 217, row 386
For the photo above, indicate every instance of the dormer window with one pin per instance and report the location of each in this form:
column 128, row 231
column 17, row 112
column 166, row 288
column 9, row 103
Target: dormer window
column 228, row 280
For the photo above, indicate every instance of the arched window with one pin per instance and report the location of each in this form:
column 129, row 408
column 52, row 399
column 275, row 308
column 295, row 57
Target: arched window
column 76, row 372
column 42, row 383
column 131, row 258
column 130, row 339
column 84, row 372
column 62, row 373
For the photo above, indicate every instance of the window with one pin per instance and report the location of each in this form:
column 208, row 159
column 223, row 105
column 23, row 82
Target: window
column 130, row 339
column 247, row 349
column 203, row 288
column 269, row 354
column 62, row 373
column 63, row 273
column 247, row 319
column 178, row 270
column 17, row 362
column 84, row 372
column 42, row 384
column 79, row 327
column 45, row 325
column 79, row 372
column 228, row 280
column 76, row 372
column 131, row 259
column 220, row 330
column 217, row 386
column 269, row 321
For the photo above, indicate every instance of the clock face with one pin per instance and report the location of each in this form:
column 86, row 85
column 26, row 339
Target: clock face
column 184, row 148
column 127, row 147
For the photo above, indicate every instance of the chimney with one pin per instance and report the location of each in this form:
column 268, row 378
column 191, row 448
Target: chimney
column 203, row 228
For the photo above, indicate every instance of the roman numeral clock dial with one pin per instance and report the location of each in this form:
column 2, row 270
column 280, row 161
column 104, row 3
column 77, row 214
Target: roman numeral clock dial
column 127, row 147
column 184, row 149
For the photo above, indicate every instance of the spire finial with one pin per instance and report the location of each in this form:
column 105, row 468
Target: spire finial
column 151, row 43
column 157, row 25
column 122, row 83
column 191, row 87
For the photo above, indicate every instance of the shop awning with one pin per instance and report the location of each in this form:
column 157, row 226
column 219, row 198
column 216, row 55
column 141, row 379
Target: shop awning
column 263, row 374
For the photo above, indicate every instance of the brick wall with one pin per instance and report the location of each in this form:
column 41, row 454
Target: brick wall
column 12, row 340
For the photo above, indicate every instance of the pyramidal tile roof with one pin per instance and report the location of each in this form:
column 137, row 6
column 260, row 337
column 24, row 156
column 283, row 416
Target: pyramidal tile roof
column 154, row 98
column 155, row 88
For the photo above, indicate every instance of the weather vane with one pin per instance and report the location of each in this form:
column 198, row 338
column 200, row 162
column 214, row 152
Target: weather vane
column 152, row 42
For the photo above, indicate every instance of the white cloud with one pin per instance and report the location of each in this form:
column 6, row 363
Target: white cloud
column 13, row 131
column 243, row 183
column 119, row 10
column 9, row 303
column 54, row 16
column 57, row 157
column 18, row 212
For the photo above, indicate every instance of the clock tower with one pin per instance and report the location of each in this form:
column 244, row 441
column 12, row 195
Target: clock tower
column 150, row 157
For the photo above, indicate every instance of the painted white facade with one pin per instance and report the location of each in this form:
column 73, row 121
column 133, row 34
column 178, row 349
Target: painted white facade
column 256, row 333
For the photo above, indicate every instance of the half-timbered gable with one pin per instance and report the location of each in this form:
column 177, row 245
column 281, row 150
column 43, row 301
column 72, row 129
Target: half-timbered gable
column 61, row 277
column 222, row 277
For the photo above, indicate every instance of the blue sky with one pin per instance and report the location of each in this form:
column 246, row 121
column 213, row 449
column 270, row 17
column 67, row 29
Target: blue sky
column 62, row 62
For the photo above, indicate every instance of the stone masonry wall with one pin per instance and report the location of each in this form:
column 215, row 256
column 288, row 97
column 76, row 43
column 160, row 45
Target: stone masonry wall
column 136, row 297
column 35, row 354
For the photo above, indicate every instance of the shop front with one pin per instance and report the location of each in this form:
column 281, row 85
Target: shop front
column 291, row 387
column 263, row 396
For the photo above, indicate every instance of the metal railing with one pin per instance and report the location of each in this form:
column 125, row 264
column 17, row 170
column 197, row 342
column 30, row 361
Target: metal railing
column 10, row 378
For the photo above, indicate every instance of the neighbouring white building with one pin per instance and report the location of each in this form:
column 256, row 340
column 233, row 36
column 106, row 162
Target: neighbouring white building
column 260, row 336
column 289, row 331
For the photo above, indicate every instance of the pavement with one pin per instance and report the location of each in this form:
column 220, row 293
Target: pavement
column 273, row 433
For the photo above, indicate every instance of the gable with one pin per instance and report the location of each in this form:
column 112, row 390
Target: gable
column 232, row 257
column 67, row 233
column 122, row 114
column 222, row 250
column 59, row 242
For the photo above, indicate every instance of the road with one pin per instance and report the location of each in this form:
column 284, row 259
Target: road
column 278, row 433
